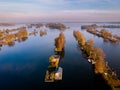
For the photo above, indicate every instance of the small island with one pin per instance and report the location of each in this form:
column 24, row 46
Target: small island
column 59, row 42
column 7, row 36
column 59, row 26
column 105, row 34
column 37, row 25
column 43, row 32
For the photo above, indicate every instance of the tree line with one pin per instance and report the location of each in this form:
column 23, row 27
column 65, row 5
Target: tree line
column 97, row 57
column 105, row 34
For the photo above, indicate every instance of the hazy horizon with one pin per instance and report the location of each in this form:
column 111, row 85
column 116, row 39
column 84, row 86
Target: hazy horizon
column 59, row 11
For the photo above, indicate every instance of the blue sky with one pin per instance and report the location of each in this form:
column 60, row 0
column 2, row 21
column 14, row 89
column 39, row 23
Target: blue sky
column 59, row 10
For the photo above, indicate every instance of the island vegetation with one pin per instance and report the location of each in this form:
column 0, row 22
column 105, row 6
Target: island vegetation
column 7, row 24
column 59, row 26
column 59, row 42
column 96, row 56
column 34, row 32
column 43, row 32
column 9, row 36
column 101, row 26
column 54, row 72
column 105, row 34
column 37, row 25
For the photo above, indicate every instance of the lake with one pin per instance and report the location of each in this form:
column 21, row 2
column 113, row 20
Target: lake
column 23, row 65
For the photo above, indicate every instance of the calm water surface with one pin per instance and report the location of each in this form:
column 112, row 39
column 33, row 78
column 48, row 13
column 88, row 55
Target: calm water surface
column 23, row 66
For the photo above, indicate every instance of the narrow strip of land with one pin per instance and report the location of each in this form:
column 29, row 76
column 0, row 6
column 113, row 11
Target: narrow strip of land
column 96, row 56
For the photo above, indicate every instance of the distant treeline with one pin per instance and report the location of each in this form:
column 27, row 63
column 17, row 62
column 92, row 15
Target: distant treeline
column 38, row 25
column 7, row 24
column 59, row 26
column 101, row 26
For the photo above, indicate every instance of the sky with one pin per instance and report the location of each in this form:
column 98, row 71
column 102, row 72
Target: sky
column 60, row 10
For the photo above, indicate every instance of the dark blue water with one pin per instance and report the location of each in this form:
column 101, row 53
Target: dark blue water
column 23, row 66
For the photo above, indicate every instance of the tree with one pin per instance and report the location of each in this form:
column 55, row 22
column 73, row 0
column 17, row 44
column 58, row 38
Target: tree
column 59, row 42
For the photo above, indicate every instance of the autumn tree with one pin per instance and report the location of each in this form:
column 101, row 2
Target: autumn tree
column 79, row 37
column 59, row 42
column 105, row 33
column 89, row 47
column 100, row 63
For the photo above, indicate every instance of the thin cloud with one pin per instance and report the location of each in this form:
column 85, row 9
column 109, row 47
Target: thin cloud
column 59, row 10
column 74, row 15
